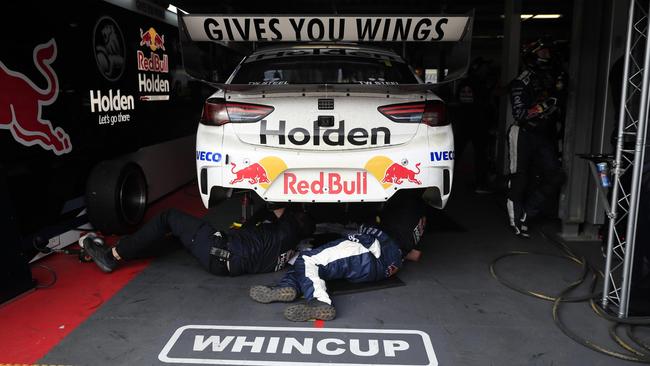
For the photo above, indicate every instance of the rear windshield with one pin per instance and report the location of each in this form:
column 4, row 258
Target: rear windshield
column 324, row 70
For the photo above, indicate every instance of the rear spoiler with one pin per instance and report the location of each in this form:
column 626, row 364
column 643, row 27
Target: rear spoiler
column 329, row 88
column 325, row 28
column 212, row 45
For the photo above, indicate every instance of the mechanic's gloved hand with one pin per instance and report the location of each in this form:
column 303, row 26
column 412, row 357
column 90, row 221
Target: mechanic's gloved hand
column 414, row 255
column 549, row 106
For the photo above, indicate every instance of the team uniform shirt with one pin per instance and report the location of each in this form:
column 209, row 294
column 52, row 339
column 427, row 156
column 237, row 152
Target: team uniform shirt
column 370, row 255
column 263, row 246
column 530, row 95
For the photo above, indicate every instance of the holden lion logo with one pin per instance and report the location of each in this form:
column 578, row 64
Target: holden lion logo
column 152, row 39
column 389, row 172
column 263, row 172
column 22, row 101
column 109, row 48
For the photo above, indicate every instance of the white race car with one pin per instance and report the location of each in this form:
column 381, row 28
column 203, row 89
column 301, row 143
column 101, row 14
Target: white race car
column 324, row 123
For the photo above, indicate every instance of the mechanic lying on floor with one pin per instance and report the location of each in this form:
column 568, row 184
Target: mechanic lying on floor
column 375, row 253
column 259, row 246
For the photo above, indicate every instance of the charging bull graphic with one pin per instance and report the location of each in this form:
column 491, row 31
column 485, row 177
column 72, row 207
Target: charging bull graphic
column 152, row 39
column 21, row 103
column 254, row 173
column 397, row 173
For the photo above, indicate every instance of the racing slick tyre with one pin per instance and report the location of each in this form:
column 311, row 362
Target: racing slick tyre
column 218, row 195
column 116, row 196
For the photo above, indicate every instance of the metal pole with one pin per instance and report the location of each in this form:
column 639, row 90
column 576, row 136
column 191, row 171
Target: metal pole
column 635, row 190
column 509, row 70
column 617, row 163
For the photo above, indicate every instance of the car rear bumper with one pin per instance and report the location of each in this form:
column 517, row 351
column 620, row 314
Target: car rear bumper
column 363, row 175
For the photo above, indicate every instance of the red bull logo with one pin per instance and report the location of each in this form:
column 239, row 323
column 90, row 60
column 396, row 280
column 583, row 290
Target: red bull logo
column 152, row 39
column 397, row 173
column 21, row 103
column 254, row 173
column 327, row 183
column 262, row 173
column 389, row 172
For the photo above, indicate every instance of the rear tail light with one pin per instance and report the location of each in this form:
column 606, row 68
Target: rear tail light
column 432, row 113
column 219, row 112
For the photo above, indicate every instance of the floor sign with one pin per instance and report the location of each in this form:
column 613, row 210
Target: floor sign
column 247, row 345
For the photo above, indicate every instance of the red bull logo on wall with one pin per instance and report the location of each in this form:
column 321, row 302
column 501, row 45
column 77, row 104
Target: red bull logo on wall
column 389, row 172
column 22, row 101
column 152, row 39
column 153, row 85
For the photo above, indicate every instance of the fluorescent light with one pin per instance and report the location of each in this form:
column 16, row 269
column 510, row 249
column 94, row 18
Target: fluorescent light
column 543, row 16
column 538, row 16
column 175, row 10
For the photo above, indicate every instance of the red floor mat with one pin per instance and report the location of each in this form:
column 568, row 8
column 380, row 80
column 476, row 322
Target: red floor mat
column 37, row 321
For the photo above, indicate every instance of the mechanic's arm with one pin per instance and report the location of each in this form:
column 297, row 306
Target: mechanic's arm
column 413, row 255
column 524, row 104
column 521, row 100
column 279, row 212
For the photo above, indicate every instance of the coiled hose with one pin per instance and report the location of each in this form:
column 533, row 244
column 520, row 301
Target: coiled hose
column 639, row 352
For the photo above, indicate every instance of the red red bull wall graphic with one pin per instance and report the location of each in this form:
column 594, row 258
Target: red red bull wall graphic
column 153, row 82
column 22, row 101
column 152, row 39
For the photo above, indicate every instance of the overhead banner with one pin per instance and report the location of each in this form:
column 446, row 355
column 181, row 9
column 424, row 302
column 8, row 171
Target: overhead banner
column 313, row 28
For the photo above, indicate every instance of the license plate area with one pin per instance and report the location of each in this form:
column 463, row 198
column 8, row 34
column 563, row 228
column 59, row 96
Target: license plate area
column 325, row 185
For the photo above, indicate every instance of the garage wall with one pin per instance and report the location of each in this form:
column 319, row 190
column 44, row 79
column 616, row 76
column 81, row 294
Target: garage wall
column 589, row 120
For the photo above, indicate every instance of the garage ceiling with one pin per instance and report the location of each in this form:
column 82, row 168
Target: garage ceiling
column 488, row 20
column 488, row 23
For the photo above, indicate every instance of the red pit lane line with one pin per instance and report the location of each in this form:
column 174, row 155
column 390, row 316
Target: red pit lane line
column 319, row 323
column 34, row 323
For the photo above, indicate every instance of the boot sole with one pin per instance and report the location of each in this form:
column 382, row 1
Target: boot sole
column 265, row 294
column 93, row 252
column 303, row 313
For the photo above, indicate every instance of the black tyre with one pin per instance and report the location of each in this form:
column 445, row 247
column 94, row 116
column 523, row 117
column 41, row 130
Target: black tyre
column 116, row 196
column 218, row 195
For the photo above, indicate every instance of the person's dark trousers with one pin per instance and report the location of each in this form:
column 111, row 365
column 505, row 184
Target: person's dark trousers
column 196, row 235
column 528, row 150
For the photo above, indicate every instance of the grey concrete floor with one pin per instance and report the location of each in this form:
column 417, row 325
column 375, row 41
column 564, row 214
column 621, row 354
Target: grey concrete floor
column 450, row 295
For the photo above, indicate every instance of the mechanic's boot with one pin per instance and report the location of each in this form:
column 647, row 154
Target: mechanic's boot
column 523, row 227
column 266, row 294
column 101, row 254
column 520, row 229
column 312, row 309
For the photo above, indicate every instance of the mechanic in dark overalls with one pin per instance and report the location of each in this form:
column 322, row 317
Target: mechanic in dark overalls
column 374, row 253
column 532, row 140
column 264, row 244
